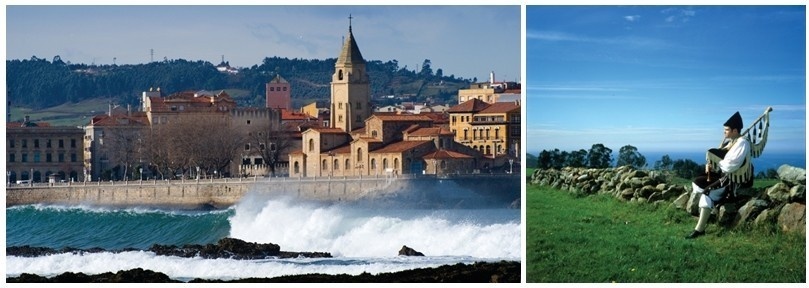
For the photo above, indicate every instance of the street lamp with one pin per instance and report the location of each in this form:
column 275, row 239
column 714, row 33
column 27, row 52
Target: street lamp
column 141, row 173
column 510, row 166
column 8, row 178
column 197, row 173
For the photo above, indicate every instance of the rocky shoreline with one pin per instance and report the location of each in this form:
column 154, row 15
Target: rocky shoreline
column 479, row 272
column 230, row 248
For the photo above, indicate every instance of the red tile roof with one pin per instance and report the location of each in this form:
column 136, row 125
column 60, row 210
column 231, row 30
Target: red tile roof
column 27, row 124
column 345, row 149
column 400, row 146
column 473, row 105
column 292, row 115
column 446, row 154
column 401, row 117
column 500, row 107
column 327, row 130
column 431, row 131
column 136, row 119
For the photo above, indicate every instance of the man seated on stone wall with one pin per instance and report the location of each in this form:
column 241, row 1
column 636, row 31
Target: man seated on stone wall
column 733, row 161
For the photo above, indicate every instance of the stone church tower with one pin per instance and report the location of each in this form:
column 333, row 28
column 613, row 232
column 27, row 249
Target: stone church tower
column 350, row 88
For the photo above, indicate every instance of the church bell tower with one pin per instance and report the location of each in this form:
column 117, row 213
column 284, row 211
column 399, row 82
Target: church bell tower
column 350, row 88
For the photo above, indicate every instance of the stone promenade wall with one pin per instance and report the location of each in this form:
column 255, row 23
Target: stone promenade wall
column 783, row 204
column 220, row 193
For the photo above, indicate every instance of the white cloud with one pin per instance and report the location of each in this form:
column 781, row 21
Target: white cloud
column 632, row 18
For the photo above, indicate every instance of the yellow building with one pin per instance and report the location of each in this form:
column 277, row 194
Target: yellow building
column 491, row 129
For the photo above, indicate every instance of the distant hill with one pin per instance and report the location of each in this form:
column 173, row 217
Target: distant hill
column 38, row 83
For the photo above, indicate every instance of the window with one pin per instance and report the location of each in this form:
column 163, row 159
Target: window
column 61, row 157
column 340, row 119
column 359, row 118
column 323, row 165
column 340, row 105
column 36, row 143
column 245, row 161
column 48, row 158
column 285, row 88
column 259, row 161
column 272, row 89
column 359, row 105
column 261, row 146
column 340, row 74
column 73, row 157
column 37, row 157
column 61, row 143
column 336, row 164
column 12, row 157
column 453, row 119
column 24, row 143
column 48, row 143
column 297, row 167
column 247, row 147
column 248, row 122
column 496, row 133
column 373, row 133
column 24, row 157
column 373, row 164
column 385, row 163
column 396, row 163
column 359, row 155
column 11, row 143
column 72, row 143
column 311, row 145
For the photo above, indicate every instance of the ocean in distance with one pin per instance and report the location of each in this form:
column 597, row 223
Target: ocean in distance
column 767, row 160
column 361, row 239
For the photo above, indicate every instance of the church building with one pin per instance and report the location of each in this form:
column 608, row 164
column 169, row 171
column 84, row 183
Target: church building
column 361, row 143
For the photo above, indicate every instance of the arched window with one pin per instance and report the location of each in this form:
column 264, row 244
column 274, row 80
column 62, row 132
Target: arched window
column 396, row 163
column 311, row 145
column 336, row 164
column 297, row 167
column 373, row 164
column 359, row 155
column 324, row 165
column 348, row 164
column 488, row 149
column 385, row 164
column 340, row 74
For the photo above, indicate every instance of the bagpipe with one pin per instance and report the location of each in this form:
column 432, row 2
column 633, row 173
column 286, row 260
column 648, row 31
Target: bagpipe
column 756, row 135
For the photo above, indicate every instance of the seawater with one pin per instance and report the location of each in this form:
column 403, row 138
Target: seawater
column 361, row 239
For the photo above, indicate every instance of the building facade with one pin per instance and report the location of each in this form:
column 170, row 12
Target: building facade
column 492, row 129
column 38, row 152
column 278, row 94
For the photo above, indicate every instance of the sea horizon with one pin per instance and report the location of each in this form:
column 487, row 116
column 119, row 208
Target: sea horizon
column 767, row 160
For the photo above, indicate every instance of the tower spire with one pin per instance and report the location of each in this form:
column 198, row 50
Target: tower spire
column 349, row 22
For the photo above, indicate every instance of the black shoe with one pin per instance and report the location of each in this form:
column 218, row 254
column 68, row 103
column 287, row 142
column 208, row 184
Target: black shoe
column 695, row 234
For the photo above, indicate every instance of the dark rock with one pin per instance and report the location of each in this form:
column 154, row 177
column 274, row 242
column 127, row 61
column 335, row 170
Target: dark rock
column 480, row 272
column 407, row 251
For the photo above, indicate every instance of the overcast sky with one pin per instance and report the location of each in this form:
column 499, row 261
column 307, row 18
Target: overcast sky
column 467, row 41
column 663, row 78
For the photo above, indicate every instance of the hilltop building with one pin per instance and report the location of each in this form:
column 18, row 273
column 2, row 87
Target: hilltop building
column 491, row 92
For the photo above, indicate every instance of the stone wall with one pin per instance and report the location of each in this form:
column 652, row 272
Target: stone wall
column 783, row 204
column 490, row 190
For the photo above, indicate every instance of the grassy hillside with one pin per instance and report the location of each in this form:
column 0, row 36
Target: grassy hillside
column 71, row 114
column 602, row 239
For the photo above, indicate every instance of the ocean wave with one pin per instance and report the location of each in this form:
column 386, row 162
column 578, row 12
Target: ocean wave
column 106, row 210
column 346, row 231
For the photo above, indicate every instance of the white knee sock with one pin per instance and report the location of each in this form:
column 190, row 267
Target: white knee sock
column 704, row 214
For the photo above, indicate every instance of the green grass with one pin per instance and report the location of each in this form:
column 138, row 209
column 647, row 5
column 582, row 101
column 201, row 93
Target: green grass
column 70, row 114
column 601, row 239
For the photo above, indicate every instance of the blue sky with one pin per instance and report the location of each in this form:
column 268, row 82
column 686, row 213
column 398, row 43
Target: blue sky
column 246, row 34
column 663, row 78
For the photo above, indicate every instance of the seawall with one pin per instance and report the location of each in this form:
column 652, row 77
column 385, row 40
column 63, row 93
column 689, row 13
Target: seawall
column 464, row 190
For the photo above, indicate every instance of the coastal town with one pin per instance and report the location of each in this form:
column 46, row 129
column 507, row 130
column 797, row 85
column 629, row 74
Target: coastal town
column 199, row 134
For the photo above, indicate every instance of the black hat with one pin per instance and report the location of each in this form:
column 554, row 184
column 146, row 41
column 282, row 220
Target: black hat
column 735, row 121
